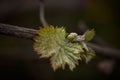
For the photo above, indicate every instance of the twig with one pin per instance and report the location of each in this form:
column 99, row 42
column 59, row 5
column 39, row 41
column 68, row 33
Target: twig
column 83, row 27
column 106, row 51
column 42, row 16
column 17, row 31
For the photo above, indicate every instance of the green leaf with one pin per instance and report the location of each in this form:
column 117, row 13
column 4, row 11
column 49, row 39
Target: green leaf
column 89, row 35
column 88, row 55
column 53, row 43
column 69, row 53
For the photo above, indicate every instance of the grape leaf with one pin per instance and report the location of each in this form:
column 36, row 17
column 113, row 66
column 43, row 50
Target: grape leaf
column 89, row 35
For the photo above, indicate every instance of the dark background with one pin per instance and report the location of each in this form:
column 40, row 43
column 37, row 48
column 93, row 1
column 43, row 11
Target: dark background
column 18, row 61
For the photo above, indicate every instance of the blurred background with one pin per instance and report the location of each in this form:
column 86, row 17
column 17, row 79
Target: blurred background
column 18, row 61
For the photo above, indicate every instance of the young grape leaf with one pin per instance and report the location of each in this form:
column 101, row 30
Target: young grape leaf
column 89, row 35
column 62, row 49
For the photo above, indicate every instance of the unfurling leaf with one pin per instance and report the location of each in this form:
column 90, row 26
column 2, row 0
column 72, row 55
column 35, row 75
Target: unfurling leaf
column 54, row 43
column 89, row 54
column 89, row 35
column 72, row 36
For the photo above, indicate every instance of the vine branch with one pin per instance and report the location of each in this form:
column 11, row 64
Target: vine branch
column 17, row 31
column 97, row 39
column 42, row 12
column 106, row 51
column 28, row 33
